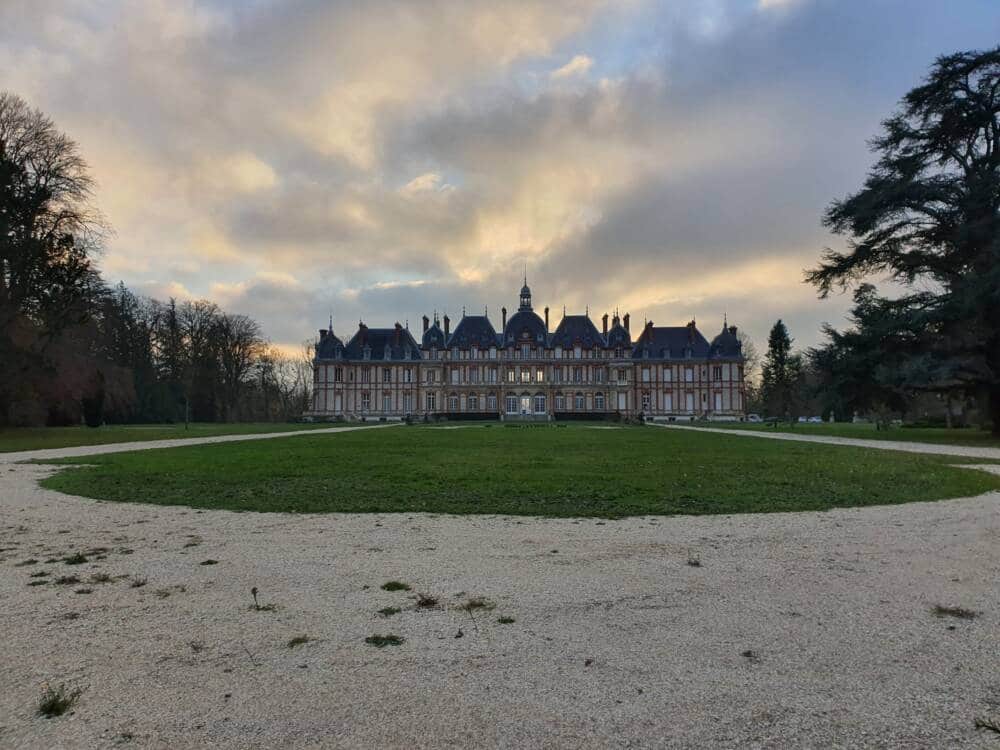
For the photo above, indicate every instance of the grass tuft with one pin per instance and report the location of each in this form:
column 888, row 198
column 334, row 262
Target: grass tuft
column 395, row 586
column 299, row 640
column 209, row 562
column 506, row 620
column 67, row 580
column 57, row 701
column 78, row 558
column 389, row 611
column 101, row 578
column 381, row 641
column 983, row 722
column 426, row 601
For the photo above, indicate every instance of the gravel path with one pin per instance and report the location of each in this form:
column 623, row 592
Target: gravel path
column 887, row 445
column 794, row 630
column 145, row 445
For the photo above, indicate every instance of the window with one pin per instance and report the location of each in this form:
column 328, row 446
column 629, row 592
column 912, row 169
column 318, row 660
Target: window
column 688, row 374
column 599, row 401
column 473, row 374
column 622, row 375
column 525, row 375
column 456, row 374
column 577, row 374
column 599, row 374
column 577, row 353
column 407, row 402
column 578, row 402
column 540, row 375
column 431, row 376
column 560, row 402
column 539, row 404
column 407, row 375
column 645, row 402
column 386, row 374
column 491, row 375
column 525, row 351
column 557, row 374
column 338, row 374
column 717, row 372
column 491, row 402
column 473, row 402
column 645, row 374
column 453, row 402
column 366, row 374
column 668, row 402
column 510, row 375
column 386, row 402
column 431, row 401
column 366, row 401
column 511, row 404
column 718, row 401
column 668, row 374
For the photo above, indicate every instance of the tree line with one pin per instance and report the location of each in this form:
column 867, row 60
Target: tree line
column 73, row 348
column 928, row 219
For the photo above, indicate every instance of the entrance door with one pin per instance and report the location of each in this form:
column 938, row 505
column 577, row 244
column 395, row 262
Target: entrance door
column 718, row 402
column 621, row 402
column 525, row 404
column 338, row 404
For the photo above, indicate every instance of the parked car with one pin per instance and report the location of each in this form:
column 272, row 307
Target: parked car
column 754, row 418
column 816, row 420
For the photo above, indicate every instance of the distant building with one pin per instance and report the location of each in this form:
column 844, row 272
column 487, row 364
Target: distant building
column 527, row 371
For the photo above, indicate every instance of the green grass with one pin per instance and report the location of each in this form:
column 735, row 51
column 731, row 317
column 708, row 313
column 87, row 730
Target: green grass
column 568, row 472
column 968, row 436
column 35, row 438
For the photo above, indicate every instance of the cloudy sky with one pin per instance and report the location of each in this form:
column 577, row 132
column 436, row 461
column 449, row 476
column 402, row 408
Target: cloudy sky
column 290, row 159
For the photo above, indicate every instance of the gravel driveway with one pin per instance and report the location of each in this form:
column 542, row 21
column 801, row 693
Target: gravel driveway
column 792, row 630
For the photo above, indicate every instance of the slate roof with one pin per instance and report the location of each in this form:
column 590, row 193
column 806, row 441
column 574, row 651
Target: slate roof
column 524, row 320
column 473, row 330
column 576, row 329
column 379, row 340
column 618, row 336
column 329, row 347
column 434, row 337
column 726, row 345
column 670, row 342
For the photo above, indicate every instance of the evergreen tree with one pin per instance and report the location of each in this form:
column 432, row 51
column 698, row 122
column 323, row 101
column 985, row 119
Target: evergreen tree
column 781, row 375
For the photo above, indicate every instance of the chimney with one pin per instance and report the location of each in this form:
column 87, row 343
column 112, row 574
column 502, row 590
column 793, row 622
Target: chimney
column 399, row 332
column 546, row 318
column 323, row 333
column 690, row 327
column 427, row 323
column 504, row 324
column 732, row 330
column 649, row 326
column 604, row 323
column 447, row 326
column 363, row 331
column 625, row 321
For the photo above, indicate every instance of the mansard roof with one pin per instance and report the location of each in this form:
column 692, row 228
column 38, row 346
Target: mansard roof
column 619, row 335
column 726, row 345
column 524, row 322
column 433, row 337
column 665, row 342
column 576, row 329
column 329, row 346
column 382, row 344
column 473, row 330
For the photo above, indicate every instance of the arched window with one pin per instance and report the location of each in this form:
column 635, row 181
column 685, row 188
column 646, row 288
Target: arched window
column 599, row 401
column 539, row 403
column 578, row 402
column 511, row 404
column 473, row 402
column 491, row 402
column 560, row 402
column 453, row 402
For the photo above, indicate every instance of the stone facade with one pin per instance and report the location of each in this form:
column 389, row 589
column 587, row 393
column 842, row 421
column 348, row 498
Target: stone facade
column 529, row 372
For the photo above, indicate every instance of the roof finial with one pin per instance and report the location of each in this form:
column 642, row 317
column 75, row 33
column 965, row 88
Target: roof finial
column 725, row 320
column 526, row 273
column 463, row 311
column 331, row 322
column 587, row 308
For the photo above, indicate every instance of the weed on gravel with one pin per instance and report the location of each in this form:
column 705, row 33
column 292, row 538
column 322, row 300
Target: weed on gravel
column 67, row 580
column 426, row 601
column 78, row 558
column 299, row 640
column 506, row 620
column 960, row 612
column 57, row 701
column 478, row 602
column 101, row 578
column 139, row 582
column 395, row 586
column 39, row 574
column 389, row 611
column 381, row 641
column 25, row 563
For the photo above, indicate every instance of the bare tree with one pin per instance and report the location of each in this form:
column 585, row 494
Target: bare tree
column 238, row 343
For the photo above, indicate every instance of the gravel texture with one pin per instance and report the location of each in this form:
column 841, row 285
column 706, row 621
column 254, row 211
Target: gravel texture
column 792, row 630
